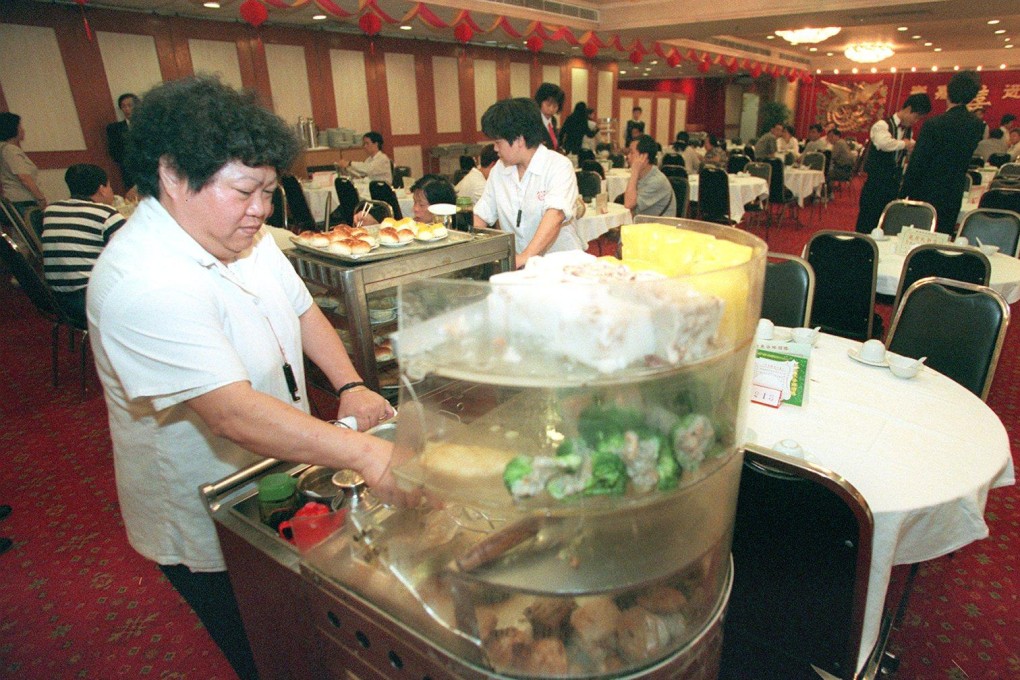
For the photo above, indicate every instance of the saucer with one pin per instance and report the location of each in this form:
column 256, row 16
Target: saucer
column 884, row 237
column 856, row 356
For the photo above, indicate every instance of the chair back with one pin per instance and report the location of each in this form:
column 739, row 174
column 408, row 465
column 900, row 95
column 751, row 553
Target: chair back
column 1001, row 198
column 589, row 184
column 19, row 263
column 381, row 191
column 814, row 160
column 846, row 271
column 330, row 167
column 761, row 170
column 617, row 160
column 959, row 326
column 347, row 201
column 400, row 173
column 585, row 155
column 673, row 159
column 714, row 195
column 1009, row 170
column 976, row 162
column 16, row 225
column 379, row 210
column 682, row 191
column 749, row 151
column 968, row 183
column 802, row 546
column 999, row 159
column 300, row 214
column 592, row 165
column 993, row 227
column 958, row 263
column 670, row 170
column 778, row 192
column 975, row 177
column 736, row 163
column 789, row 290
column 279, row 218
column 906, row 213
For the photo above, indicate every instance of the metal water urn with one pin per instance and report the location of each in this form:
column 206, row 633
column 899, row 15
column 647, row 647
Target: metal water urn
column 307, row 131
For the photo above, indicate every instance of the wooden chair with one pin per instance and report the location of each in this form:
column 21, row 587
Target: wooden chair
column 789, row 290
column 846, row 271
column 958, row 263
column 906, row 213
column 993, row 227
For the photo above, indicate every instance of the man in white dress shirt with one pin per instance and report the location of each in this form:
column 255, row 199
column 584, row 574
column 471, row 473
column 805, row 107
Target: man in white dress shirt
column 1014, row 143
column 377, row 166
column 531, row 191
column 473, row 183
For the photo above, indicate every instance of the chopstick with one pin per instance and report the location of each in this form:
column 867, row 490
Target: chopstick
column 361, row 216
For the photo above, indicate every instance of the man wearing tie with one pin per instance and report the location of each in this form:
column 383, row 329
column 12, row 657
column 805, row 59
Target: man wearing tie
column 890, row 142
column 550, row 100
column 938, row 166
column 116, row 136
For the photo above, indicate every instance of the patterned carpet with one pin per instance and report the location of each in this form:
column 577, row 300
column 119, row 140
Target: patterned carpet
column 77, row 602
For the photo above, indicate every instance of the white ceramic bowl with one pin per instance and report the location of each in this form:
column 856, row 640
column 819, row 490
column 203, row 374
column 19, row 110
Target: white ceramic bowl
column 903, row 367
column 873, row 350
column 988, row 249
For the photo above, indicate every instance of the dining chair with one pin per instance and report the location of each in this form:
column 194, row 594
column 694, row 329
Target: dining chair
column 736, row 163
column 329, row 167
column 300, row 214
column 789, row 290
column 19, row 263
column 673, row 159
column 585, row 155
column 760, row 205
column 278, row 218
column 714, row 195
column 381, row 191
column 815, row 160
column 617, row 160
column 999, row 159
column 670, row 170
column 975, row 178
column 958, row 263
column 993, row 227
column 16, row 222
column 592, row 165
column 400, row 173
column 589, row 184
column 347, row 201
column 1001, row 198
column 779, row 195
column 802, row 546
column 968, row 183
column 976, row 162
column 749, row 151
column 379, row 210
column 846, row 272
column 1008, row 170
column 906, row 213
column 959, row 326
column 682, row 191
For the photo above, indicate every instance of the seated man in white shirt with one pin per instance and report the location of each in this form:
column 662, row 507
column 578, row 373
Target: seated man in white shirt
column 473, row 183
column 377, row 166
column 816, row 140
column 531, row 191
column 994, row 143
column 1014, row 144
column 787, row 144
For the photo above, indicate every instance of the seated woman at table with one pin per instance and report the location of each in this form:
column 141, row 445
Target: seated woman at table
column 199, row 326
column 429, row 190
column 18, row 174
column 715, row 153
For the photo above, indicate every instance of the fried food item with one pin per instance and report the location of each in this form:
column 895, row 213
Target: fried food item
column 662, row 600
column 594, row 621
column 318, row 240
column 641, row 635
column 549, row 615
column 339, row 248
column 507, row 648
column 548, row 658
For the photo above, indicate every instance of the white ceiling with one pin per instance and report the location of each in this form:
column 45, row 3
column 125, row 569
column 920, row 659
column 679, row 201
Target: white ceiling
column 959, row 29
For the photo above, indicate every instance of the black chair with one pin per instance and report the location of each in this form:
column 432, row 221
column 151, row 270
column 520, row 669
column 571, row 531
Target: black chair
column 789, row 290
column 592, row 165
column 585, row 155
column 400, row 173
column 279, row 217
column 1009, row 170
column 589, row 185
column 846, row 270
column 994, row 227
column 300, row 214
column 1000, row 198
column 331, row 167
column 736, row 163
column 968, row 183
column 905, row 213
column 976, row 162
column 28, row 275
column 673, row 159
column 959, row 326
column 760, row 205
column 670, row 170
column 14, row 221
column 999, row 159
column 617, row 160
column 779, row 195
column 682, row 191
column 749, row 151
column 379, row 210
column 347, row 201
column 802, row 546
column 975, row 177
column 958, row 263
column 381, row 191
column 714, row 195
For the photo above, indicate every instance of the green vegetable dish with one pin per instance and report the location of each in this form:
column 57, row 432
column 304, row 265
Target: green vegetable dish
column 617, row 449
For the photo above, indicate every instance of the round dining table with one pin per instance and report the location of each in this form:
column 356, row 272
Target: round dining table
column 923, row 452
column 593, row 223
column 802, row 182
column 1004, row 279
column 743, row 190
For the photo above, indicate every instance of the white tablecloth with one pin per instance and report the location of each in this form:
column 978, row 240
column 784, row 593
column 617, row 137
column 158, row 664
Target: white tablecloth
column 616, row 181
column 923, row 453
column 1005, row 277
column 969, row 205
column 593, row 224
column 316, row 197
column 987, row 174
column 802, row 182
column 743, row 190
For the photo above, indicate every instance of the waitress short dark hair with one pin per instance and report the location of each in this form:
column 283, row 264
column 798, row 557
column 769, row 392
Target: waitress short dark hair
column 437, row 189
column 199, row 125
column 9, row 123
column 512, row 118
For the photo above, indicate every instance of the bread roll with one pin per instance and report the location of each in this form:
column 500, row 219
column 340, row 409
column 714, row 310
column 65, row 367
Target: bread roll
column 339, row 248
column 318, row 240
column 388, row 235
column 383, row 353
column 304, row 236
column 405, row 235
column 359, row 247
column 439, row 231
column 425, row 233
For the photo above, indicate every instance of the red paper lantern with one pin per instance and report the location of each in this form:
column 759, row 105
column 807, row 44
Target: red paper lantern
column 370, row 24
column 673, row 60
column 254, row 12
column 733, row 66
column 704, row 66
column 636, row 57
column 535, row 43
column 756, row 71
column 590, row 49
column 463, row 33
column 792, row 78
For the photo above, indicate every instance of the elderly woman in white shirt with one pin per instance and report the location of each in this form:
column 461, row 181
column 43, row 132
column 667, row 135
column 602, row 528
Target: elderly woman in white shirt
column 377, row 166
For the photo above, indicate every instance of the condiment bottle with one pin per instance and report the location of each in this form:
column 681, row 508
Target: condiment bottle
column 465, row 218
column 278, row 500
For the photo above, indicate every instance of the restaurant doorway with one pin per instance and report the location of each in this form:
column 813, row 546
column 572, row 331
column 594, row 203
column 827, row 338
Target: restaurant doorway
column 749, row 116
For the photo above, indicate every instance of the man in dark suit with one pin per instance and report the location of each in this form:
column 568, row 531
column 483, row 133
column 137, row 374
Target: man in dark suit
column 550, row 100
column 945, row 146
column 116, row 136
column 889, row 142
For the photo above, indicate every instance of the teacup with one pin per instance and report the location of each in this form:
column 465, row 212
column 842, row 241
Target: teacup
column 789, row 447
column 961, row 241
column 877, row 233
column 873, row 350
column 904, row 367
column 766, row 329
column 804, row 336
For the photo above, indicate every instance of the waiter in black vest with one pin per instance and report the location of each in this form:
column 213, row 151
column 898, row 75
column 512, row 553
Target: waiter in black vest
column 890, row 143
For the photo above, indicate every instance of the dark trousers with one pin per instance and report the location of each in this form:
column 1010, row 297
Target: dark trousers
column 211, row 596
column 876, row 193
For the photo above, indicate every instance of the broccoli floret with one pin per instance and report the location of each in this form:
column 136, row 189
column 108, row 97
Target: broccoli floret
column 598, row 422
column 668, row 470
column 516, row 471
column 608, row 475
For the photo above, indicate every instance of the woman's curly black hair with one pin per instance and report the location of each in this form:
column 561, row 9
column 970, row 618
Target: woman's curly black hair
column 198, row 125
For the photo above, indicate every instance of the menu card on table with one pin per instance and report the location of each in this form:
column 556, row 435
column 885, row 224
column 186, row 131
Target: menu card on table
column 911, row 237
column 780, row 373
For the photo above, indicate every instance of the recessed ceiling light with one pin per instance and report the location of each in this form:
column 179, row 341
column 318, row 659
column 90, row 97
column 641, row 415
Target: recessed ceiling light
column 928, row 44
column 1007, row 39
column 992, row 22
column 913, row 69
column 318, row 17
column 980, row 67
column 853, row 70
column 654, row 62
column 835, row 71
column 934, row 68
column 937, row 49
column 818, row 70
column 874, row 70
column 956, row 68
column 1002, row 67
column 623, row 73
column 211, row 5
column 892, row 69
column 405, row 27
column 770, row 37
column 828, row 54
column 1009, row 46
column 1000, row 31
column 902, row 28
column 915, row 37
column 812, row 49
